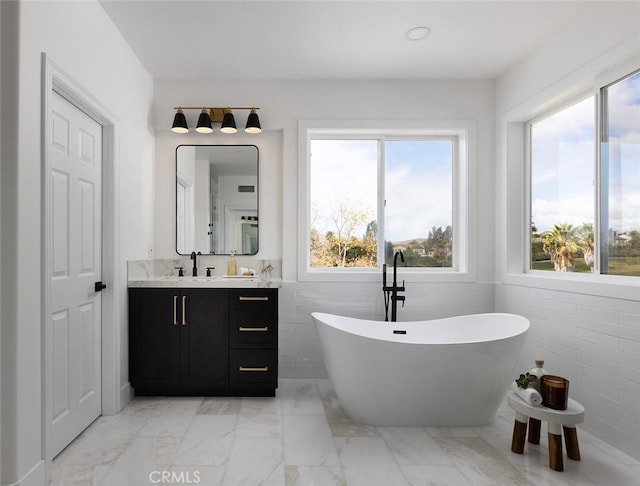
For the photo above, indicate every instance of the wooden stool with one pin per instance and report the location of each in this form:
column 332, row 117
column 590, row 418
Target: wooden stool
column 556, row 419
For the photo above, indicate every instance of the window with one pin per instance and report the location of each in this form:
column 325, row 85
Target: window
column 569, row 175
column 562, row 196
column 620, row 177
column 411, row 179
column 371, row 193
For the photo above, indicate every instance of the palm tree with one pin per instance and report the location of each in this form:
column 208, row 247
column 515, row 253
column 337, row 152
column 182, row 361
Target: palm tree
column 585, row 233
column 562, row 245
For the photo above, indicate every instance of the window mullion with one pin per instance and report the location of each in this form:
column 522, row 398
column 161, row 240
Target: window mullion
column 601, row 231
column 380, row 217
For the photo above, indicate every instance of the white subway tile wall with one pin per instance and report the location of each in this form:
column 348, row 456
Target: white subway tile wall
column 592, row 341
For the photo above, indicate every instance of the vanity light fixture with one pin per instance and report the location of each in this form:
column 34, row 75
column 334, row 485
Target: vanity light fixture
column 253, row 122
column 215, row 114
column 179, row 122
column 204, row 122
column 228, row 122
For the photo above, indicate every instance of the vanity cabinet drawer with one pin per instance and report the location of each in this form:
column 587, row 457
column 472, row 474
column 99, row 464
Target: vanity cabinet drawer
column 255, row 328
column 265, row 300
column 253, row 367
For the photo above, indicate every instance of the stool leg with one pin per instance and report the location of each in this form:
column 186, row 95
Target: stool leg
column 519, row 433
column 571, row 442
column 555, row 447
column 534, row 430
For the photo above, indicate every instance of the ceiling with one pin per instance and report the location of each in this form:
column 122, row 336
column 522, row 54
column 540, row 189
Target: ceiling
column 345, row 40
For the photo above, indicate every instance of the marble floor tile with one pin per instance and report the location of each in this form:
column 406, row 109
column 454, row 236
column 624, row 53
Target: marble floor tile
column 368, row 461
column 220, row 406
column 104, row 440
column 255, row 461
column 300, row 398
column 259, row 417
column 142, row 460
column 203, row 475
column 341, row 425
column 435, row 476
column 207, row 441
column 483, row 462
column 413, row 446
column 308, row 441
column 167, row 424
column 86, row 475
column 302, row 437
column 314, row 475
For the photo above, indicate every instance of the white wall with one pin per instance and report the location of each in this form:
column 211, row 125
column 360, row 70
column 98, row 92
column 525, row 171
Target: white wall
column 282, row 104
column 80, row 38
column 588, row 332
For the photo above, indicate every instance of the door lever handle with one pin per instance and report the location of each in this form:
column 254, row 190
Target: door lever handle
column 99, row 286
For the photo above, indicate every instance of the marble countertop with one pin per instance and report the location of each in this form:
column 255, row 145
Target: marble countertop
column 207, row 282
column 163, row 273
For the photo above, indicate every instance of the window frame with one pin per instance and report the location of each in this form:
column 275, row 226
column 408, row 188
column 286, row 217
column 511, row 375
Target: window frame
column 463, row 132
column 595, row 278
column 528, row 190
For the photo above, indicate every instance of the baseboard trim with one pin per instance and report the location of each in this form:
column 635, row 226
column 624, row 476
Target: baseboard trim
column 126, row 394
column 35, row 477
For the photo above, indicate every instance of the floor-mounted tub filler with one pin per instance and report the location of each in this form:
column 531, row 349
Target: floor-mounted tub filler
column 443, row 372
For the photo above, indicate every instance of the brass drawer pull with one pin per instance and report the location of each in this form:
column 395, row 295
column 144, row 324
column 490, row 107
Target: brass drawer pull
column 263, row 369
column 175, row 310
column 184, row 307
column 261, row 299
column 254, row 329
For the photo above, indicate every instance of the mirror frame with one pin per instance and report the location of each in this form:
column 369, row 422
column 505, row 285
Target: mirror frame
column 257, row 193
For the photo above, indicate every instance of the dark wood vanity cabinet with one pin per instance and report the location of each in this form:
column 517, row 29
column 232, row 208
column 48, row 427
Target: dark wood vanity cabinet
column 203, row 341
column 178, row 340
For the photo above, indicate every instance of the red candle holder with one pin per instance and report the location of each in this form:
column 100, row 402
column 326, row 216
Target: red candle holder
column 554, row 391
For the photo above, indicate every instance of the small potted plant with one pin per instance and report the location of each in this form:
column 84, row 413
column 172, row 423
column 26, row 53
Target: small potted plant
column 525, row 380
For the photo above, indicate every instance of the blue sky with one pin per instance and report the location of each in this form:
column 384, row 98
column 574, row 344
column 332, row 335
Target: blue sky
column 563, row 167
column 418, row 190
column 418, row 177
column 564, row 162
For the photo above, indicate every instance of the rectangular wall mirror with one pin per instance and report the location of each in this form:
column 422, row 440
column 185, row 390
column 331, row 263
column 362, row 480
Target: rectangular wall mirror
column 217, row 199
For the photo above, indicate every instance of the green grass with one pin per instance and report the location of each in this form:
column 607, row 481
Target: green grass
column 624, row 266
column 581, row 266
column 617, row 266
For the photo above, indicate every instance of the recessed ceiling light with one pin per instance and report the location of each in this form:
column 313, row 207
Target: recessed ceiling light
column 417, row 33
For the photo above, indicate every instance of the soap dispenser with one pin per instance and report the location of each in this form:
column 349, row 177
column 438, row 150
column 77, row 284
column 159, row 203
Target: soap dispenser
column 232, row 265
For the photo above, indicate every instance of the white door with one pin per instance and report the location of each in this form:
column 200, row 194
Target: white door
column 75, row 215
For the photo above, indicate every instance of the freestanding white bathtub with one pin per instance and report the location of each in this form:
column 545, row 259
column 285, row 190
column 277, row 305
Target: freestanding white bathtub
column 443, row 372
